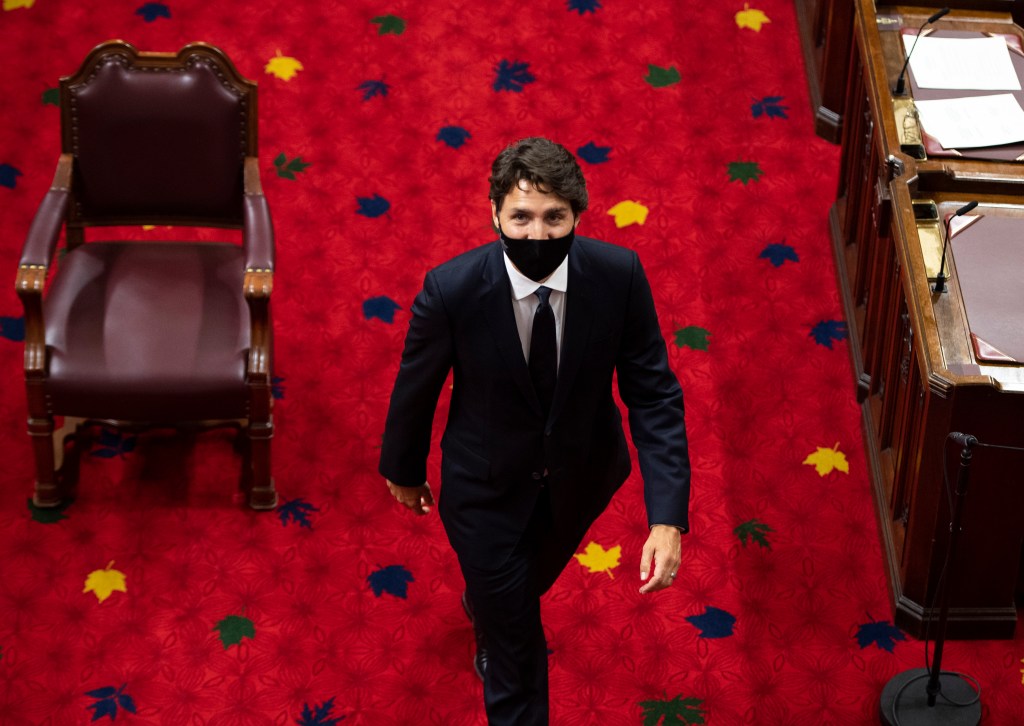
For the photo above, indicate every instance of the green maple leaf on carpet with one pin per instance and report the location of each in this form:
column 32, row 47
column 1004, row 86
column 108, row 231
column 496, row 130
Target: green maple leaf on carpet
column 51, row 97
column 693, row 336
column 288, row 169
column 233, row 628
column 389, row 24
column 755, row 531
column 677, row 711
column 660, row 77
column 744, row 171
column 49, row 515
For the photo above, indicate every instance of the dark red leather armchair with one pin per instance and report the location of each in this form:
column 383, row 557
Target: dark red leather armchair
column 151, row 334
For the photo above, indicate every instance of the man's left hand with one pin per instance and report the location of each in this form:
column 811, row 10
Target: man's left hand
column 661, row 550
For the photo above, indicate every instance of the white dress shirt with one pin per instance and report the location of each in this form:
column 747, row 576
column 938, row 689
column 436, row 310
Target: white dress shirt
column 524, row 302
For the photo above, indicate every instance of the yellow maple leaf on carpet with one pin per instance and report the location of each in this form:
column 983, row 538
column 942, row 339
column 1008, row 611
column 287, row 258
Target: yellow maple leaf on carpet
column 103, row 582
column 15, row 4
column 825, row 460
column 283, row 66
column 628, row 212
column 751, row 18
column 598, row 559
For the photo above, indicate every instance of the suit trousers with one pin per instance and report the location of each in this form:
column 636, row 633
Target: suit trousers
column 506, row 608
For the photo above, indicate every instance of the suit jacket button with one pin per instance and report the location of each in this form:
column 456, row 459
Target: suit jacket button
column 537, row 476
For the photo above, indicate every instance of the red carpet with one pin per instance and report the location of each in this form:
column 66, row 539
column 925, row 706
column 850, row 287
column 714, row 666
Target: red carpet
column 696, row 136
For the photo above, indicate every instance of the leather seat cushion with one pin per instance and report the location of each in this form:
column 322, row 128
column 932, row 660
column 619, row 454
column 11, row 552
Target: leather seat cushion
column 148, row 332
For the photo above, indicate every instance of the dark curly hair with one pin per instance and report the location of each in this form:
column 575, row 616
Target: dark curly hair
column 548, row 166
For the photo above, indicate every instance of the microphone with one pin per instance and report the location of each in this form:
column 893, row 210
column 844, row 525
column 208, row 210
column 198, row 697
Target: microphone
column 940, row 279
column 963, row 439
column 900, row 85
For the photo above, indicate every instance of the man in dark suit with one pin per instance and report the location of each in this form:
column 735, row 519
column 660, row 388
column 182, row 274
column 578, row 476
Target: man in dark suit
column 534, row 448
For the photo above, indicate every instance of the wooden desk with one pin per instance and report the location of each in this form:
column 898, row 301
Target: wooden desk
column 826, row 36
column 915, row 371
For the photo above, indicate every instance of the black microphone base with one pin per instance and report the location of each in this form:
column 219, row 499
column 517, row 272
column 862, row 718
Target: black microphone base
column 905, row 701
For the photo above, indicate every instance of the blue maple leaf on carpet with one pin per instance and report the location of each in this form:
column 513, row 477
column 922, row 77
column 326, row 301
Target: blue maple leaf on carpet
column 393, row 579
column 12, row 328
column 454, row 136
column 277, row 387
column 296, row 510
column 108, row 700
column 512, row 76
column 373, row 206
column 584, row 6
column 778, row 253
column 373, row 88
column 152, row 11
column 592, row 153
column 9, row 176
column 769, row 106
column 714, row 623
column 113, row 443
column 319, row 715
column 380, row 307
column 828, row 330
column 880, row 632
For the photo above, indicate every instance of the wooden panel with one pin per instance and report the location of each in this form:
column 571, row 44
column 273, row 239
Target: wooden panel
column 826, row 34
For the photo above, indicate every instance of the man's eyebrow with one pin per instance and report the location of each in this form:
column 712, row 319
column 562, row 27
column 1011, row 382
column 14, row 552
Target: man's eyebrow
column 546, row 210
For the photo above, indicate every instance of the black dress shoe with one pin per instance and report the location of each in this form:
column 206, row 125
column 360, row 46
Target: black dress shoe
column 480, row 657
column 480, row 662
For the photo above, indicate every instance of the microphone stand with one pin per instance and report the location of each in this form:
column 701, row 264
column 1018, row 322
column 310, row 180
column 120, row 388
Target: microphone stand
column 907, row 700
column 940, row 279
column 900, row 88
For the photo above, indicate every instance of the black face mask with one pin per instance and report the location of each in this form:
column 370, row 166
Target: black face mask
column 537, row 258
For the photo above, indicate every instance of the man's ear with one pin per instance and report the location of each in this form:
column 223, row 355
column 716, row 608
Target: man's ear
column 576, row 222
column 494, row 214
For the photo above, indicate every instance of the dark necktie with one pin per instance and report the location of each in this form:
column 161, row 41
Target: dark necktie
column 544, row 350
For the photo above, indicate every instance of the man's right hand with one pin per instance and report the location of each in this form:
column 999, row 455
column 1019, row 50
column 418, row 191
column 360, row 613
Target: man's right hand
column 418, row 499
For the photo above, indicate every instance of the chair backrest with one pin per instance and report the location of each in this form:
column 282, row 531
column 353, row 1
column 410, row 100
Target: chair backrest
column 157, row 138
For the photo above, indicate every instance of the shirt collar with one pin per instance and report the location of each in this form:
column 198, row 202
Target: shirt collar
column 523, row 286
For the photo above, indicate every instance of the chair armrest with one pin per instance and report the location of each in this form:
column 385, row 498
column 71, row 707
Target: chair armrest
column 41, row 241
column 257, row 229
column 36, row 255
column 258, row 282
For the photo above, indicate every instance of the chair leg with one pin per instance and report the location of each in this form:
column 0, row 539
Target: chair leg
column 262, row 494
column 47, row 492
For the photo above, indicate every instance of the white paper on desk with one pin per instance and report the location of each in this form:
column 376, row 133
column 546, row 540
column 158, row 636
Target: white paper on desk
column 962, row 123
column 970, row 64
column 959, row 224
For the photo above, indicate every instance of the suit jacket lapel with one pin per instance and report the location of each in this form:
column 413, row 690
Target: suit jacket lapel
column 578, row 321
column 496, row 303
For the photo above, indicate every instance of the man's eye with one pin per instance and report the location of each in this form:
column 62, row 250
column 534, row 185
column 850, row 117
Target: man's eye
column 519, row 217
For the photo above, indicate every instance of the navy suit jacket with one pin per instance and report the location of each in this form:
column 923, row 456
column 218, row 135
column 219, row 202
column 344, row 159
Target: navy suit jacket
column 497, row 442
